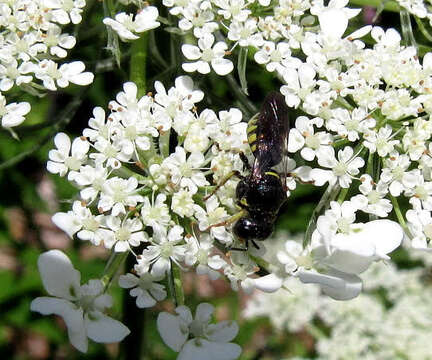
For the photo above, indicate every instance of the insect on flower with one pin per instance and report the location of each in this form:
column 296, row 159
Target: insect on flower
column 261, row 194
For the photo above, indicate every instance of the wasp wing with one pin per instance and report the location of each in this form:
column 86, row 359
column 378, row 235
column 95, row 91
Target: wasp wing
column 268, row 136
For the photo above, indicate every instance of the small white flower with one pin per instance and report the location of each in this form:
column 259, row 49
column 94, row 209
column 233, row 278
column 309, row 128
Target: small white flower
column 82, row 222
column 380, row 142
column 125, row 25
column 303, row 137
column 53, row 76
column 198, row 252
column 241, row 269
column 182, row 203
column 81, row 307
column 420, row 225
column 205, row 53
column 245, row 33
column 299, row 84
column 145, row 288
column 123, row 234
column 395, row 175
column 372, row 199
column 197, row 339
column 272, row 55
column 155, row 214
column 118, row 193
column 67, row 156
column 344, row 168
column 165, row 247
column 186, row 172
column 13, row 114
column 213, row 214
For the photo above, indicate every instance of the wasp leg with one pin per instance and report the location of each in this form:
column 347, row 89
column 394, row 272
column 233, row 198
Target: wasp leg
column 237, row 249
column 246, row 248
column 254, row 244
column 228, row 221
column 223, row 182
column 245, row 161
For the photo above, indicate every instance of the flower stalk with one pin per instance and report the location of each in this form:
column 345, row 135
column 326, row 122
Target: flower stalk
column 329, row 195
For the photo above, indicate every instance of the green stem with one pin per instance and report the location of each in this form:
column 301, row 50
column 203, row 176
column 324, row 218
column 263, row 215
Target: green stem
column 342, row 195
column 138, row 63
column 423, row 29
column 389, row 5
column 115, row 261
column 370, row 165
column 407, row 28
column 400, row 216
column 328, row 196
column 175, row 285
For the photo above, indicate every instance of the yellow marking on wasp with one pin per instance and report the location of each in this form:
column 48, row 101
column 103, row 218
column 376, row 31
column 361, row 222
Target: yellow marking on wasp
column 253, row 147
column 252, row 138
column 272, row 173
column 251, row 128
column 243, row 201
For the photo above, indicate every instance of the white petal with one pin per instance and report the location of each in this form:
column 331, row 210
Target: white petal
column 72, row 316
column 68, row 222
column 351, row 254
column 295, row 140
column 58, row 275
column 63, row 143
column 199, row 349
column 204, row 312
column 223, row 331
column 128, row 281
column 103, row 329
column 269, row 283
column 170, row 331
column 144, row 300
column 191, row 52
column 333, row 22
column 337, row 285
column 386, row 235
column 222, row 66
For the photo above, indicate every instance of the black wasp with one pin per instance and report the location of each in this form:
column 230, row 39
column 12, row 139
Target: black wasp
column 261, row 194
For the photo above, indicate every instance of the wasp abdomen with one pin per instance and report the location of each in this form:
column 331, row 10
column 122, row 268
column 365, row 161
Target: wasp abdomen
column 248, row 228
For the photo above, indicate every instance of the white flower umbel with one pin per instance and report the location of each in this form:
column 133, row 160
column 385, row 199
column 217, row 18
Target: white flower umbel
column 197, row 339
column 80, row 306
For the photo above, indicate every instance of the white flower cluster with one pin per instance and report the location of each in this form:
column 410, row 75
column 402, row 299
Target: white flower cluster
column 32, row 43
column 361, row 101
column 141, row 191
column 127, row 25
column 390, row 320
